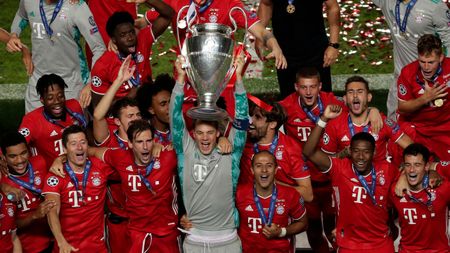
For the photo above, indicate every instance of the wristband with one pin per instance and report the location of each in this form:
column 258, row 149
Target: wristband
column 321, row 123
column 283, row 232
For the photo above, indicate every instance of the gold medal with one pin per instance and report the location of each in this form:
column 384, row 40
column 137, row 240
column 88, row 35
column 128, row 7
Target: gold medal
column 290, row 8
column 404, row 35
column 439, row 102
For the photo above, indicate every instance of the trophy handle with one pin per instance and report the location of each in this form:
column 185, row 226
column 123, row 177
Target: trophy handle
column 188, row 24
column 234, row 21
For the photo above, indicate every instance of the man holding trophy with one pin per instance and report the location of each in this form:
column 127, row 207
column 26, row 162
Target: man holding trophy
column 208, row 178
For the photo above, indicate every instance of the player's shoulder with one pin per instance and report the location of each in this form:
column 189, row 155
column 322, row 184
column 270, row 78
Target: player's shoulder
column 38, row 162
column 410, row 70
column 244, row 190
column 287, row 191
column 289, row 101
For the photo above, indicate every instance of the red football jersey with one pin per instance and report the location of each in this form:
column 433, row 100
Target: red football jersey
column 289, row 206
column 46, row 136
column 431, row 123
column 298, row 125
column 337, row 135
column 37, row 236
column 151, row 213
column 360, row 223
column 8, row 214
column 443, row 168
column 107, row 66
column 289, row 158
column 103, row 9
column 82, row 220
column 216, row 12
column 423, row 230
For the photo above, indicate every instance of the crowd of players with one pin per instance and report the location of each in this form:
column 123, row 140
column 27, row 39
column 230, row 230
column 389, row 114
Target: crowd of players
column 106, row 160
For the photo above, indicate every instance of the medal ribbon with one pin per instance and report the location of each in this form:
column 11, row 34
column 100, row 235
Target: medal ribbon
column 45, row 22
column 272, row 147
column 352, row 129
column 144, row 179
column 266, row 219
column 27, row 185
column 74, row 178
column 74, row 115
column 309, row 113
column 160, row 137
column 121, row 143
column 433, row 78
column 290, row 2
column 402, row 24
column 362, row 180
column 428, row 203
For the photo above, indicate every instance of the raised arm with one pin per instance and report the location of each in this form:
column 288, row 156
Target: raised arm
column 314, row 154
column 101, row 130
column 333, row 16
column 260, row 32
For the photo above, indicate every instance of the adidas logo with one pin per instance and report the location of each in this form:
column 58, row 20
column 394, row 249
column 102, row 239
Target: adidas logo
column 345, row 138
column 297, row 120
column 249, row 208
column 403, row 200
column 354, row 180
column 53, row 133
column 69, row 185
column 129, row 168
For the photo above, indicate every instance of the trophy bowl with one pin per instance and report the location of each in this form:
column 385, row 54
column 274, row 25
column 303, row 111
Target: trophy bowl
column 209, row 53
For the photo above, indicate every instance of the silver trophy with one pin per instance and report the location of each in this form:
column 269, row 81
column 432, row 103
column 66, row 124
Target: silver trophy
column 208, row 51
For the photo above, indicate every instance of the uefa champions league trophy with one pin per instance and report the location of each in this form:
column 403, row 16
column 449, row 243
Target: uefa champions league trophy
column 208, row 50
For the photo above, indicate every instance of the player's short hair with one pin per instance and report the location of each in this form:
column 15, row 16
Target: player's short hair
column 363, row 136
column 120, row 104
column 277, row 114
column 213, row 123
column 136, row 127
column 117, row 18
column 262, row 152
column 147, row 91
column 46, row 81
column 357, row 79
column 415, row 149
column 307, row 72
column 73, row 129
column 11, row 138
column 429, row 44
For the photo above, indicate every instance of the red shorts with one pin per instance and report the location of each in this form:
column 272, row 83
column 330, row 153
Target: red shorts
column 387, row 247
column 117, row 238
column 322, row 201
column 150, row 243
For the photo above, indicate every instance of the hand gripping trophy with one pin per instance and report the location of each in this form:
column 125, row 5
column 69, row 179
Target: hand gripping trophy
column 208, row 50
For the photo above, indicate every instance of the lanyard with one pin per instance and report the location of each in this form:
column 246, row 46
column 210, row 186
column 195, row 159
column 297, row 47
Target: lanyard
column 121, row 143
column 203, row 8
column 266, row 219
column 144, row 179
column 272, row 147
column 352, row 129
column 362, row 180
column 433, row 78
column 78, row 117
column 310, row 114
column 27, row 185
column 74, row 178
column 136, row 78
column 428, row 203
column 402, row 24
column 45, row 22
column 161, row 138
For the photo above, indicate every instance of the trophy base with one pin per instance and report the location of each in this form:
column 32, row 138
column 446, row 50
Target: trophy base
column 207, row 113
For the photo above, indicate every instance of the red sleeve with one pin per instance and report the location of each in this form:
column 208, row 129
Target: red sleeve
column 237, row 15
column 74, row 105
column 335, row 167
column 108, row 156
column 393, row 129
column 53, row 184
column 298, row 169
column 100, row 81
column 443, row 168
column 297, row 210
column 404, row 89
column 27, row 128
column 329, row 138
